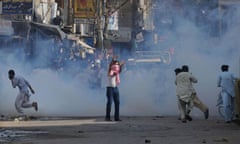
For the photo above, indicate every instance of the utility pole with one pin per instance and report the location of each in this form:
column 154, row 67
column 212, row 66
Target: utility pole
column 100, row 24
column 105, row 8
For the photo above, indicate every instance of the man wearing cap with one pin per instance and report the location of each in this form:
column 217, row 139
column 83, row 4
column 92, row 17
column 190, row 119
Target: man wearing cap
column 184, row 82
column 180, row 107
column 226, row 81
column 196, row 101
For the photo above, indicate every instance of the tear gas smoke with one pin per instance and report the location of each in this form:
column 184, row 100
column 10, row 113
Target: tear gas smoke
column 143, row 91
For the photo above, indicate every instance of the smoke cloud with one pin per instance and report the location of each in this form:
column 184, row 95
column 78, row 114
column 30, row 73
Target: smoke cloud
column 143, row 90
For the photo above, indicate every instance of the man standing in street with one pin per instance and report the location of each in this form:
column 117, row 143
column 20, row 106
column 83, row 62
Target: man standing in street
column 226, row 81
column 23, row 98
column 112, row 89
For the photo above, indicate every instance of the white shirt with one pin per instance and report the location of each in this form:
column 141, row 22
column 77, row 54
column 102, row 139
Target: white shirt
column 226, row 80
column 185, row 88
column 21, row 83
column 112, row 81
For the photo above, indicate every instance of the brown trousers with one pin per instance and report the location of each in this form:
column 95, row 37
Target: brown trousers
column 198, row 103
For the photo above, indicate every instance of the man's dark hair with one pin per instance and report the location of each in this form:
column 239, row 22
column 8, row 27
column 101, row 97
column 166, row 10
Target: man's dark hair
column 224, row 68
column 113, row 62
column 177, row 71
column 185, row 68
column 11, row 72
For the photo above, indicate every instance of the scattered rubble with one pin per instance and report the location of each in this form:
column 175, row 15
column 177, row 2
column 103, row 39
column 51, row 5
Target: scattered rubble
column 7, row 135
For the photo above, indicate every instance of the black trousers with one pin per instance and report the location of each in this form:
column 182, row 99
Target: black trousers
column 112, row 95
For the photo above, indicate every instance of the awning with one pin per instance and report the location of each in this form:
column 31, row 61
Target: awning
column 49, row 29
column 89, row 49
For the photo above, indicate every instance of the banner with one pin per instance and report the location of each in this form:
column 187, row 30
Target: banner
column 84, row 9
column 113, row 21
column 17, row 6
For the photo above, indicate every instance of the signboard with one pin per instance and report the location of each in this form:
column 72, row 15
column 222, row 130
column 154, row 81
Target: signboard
column 84, row 9
column 6, row 28
column 17, row 6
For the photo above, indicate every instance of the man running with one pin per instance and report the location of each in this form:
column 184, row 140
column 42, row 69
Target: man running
column 23, row 98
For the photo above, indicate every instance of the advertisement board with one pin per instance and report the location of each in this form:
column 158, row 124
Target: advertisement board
column 84, row 9
column 6, row 28
column 17, row 6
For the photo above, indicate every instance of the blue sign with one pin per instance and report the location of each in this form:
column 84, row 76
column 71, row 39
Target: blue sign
column 17, row 7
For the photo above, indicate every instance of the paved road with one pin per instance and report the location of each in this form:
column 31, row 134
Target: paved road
column 132, row 130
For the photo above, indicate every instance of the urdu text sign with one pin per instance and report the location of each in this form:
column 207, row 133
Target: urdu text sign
column 17, row 7
column 84, row 9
